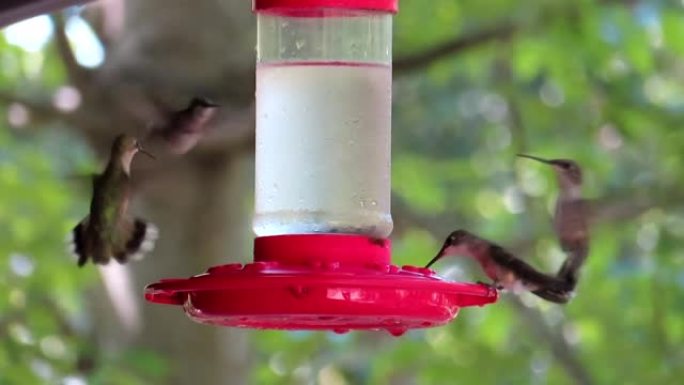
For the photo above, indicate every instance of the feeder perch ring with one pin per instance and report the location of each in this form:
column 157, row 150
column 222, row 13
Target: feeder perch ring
column 320, row 282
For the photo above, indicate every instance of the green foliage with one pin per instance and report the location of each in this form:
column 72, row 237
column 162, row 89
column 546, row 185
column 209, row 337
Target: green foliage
column 41, row 289
column 45, row 328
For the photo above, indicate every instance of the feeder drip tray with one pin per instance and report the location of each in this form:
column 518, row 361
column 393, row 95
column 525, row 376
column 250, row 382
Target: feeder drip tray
column 320, row 282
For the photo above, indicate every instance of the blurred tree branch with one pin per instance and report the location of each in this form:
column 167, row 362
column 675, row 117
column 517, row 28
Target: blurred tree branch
column 38, row 107
column 602, row 211
column 560, row 349
column 420, row 60
column 78, row 75
column 504, row 31
column 97, row 19
column 405, row 218
column 12, row 11
column 40, row 111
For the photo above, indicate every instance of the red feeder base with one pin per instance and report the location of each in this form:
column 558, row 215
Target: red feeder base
column 320, row 282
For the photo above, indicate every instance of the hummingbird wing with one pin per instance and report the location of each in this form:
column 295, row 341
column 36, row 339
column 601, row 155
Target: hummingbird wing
column 82, row 242
column 182, row 130
column 134, row 239
column 529, row 276
column 185, row 132
column 542, row 285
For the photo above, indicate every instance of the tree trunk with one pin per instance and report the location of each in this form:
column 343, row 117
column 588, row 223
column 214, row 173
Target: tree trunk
column 211, row 226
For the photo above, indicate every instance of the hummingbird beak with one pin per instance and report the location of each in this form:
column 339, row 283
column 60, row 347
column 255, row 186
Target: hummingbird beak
column 438, row 256
column 535, row 158
column 141, row 149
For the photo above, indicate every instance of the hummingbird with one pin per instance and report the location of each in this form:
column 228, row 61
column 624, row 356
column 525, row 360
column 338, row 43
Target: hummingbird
column 570, row 217
column 181, row 130
column 108, row 231
column 505, row 269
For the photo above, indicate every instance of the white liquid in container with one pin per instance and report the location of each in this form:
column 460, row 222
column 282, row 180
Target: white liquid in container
column 323, row 149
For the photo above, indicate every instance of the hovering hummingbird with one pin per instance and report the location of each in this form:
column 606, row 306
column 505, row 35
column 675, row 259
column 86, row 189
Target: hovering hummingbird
column 570, row 217
column 108, row 231
column 181, row 130
column 503, row 268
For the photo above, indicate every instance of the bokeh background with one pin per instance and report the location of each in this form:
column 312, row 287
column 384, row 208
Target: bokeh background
column 476, row 82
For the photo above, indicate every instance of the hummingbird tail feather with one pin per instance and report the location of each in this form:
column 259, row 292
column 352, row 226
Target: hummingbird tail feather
column 141, row 240
column 569, row 270
column 77, row 246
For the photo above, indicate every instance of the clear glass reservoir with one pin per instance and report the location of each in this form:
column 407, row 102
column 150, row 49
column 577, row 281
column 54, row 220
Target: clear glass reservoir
column 323, row 121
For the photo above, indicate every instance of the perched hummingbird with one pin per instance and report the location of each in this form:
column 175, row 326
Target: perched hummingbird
column 108, row 231
column 503, row 268
column 181, row 130
column 570, row 217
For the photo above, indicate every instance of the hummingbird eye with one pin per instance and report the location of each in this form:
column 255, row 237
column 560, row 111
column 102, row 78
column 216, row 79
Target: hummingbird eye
column 456, row 237
column 565, row 165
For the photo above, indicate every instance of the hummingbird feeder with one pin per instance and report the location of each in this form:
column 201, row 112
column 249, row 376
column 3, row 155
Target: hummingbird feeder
column 322, row 208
